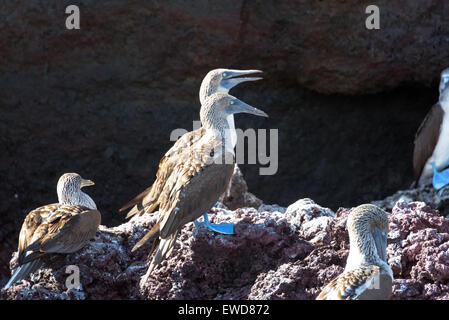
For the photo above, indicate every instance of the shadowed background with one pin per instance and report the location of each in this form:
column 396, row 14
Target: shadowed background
column 102, row 101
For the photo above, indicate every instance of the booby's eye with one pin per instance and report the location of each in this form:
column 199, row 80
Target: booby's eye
column 224, row 74
column 232, row 102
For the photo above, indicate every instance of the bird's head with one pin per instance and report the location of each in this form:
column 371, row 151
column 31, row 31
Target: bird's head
column 69, row 188
column 444, row 80
column 219, row 106
column 444, row 99
column 223, row 80
column 366, row 221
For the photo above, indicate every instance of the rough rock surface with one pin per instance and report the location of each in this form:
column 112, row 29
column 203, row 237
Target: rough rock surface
column 323, row 46
column 276, row 253
column 427, row 194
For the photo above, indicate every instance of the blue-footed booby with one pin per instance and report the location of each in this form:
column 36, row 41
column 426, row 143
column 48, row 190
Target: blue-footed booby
column 62, row 227
column 217, row 80
column 367, row 275
column 432, row 138
column 195, row 177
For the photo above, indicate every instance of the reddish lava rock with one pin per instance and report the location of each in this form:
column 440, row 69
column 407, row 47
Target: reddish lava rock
column 276, row 253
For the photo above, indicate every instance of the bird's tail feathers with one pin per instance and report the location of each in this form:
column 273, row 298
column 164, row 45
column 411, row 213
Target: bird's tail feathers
column 154, row 232
column 21, row 272
column 163, row 251
column 137, row 201
column 137, row 209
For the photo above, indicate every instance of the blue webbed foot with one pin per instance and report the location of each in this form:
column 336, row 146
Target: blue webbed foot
column 440, row 179
column 225, row 228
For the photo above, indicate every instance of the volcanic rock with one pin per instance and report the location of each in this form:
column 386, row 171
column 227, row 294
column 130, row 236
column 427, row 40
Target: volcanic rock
column 276, row 253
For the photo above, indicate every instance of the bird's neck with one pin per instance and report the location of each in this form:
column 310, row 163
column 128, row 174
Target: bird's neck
column 362, row 251
column 76, row 199
column 362, row 248
column 231, row 131
column 222, row 129
column 204, row 92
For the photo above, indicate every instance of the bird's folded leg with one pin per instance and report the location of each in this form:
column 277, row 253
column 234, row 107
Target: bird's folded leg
column 225, row 228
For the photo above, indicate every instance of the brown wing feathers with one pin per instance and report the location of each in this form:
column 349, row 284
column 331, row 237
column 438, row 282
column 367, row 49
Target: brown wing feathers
column 183, row 183
column 345, row 285
column 148, row 200
column 426, row 139
column 137, row 200
column 56, row 229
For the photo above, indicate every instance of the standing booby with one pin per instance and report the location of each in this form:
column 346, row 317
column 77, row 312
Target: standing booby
column 194, row 178
column 62, row 227
column 217, row 80
column 432, row 137
column 367, row 275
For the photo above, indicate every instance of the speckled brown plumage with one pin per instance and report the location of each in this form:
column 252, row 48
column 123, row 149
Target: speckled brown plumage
column 347, row 286
column 56, row 228
column 63, row 227
column 366, row 276
column 149, row 199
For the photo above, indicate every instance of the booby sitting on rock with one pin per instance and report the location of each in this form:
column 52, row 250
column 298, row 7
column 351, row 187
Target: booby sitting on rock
column 62, row 227
column 195, row 177
column 367, row 275
column 431, row 153
column 217, row 80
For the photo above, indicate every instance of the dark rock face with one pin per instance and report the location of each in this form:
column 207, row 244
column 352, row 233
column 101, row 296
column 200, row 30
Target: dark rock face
column 276, row 253
column 322, row 46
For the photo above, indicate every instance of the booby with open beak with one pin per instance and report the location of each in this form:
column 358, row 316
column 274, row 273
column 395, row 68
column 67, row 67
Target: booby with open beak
column 197, row 175
column 431, row 152
column 367, row 275
column 62, row 227
column 216, row 81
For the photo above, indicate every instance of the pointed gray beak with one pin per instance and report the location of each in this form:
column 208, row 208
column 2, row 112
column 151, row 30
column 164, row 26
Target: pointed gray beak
column 238, row 106
column 380, row 238
column 86, row 183
column 230, row 79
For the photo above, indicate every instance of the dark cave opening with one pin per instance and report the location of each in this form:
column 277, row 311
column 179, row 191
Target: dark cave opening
column 341, row 151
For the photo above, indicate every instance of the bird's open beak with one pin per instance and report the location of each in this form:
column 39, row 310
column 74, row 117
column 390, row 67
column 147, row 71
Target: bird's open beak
column 380, row 238
column 241, row 107
column 234, row 77
column 86, row 183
